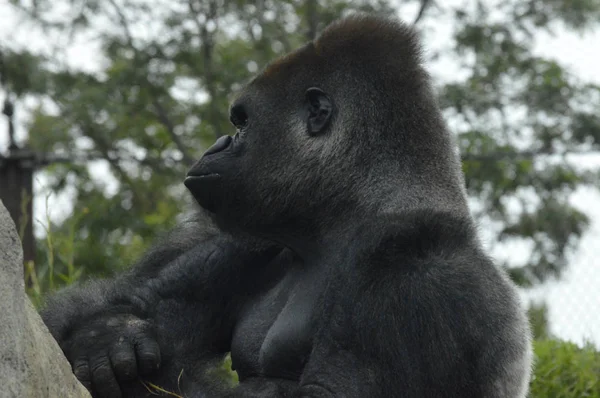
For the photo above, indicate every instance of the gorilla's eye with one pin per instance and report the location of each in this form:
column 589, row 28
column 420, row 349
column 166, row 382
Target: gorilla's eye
column 238, row 116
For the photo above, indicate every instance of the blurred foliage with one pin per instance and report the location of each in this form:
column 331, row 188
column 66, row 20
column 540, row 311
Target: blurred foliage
column 538, row 319
column 124, row 133
column 563, row 370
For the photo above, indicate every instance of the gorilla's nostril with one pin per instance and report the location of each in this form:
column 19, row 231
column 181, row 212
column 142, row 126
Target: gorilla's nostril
column 222, row 143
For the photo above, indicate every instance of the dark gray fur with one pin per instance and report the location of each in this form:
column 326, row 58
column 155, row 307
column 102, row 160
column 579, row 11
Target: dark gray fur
column 381, row 289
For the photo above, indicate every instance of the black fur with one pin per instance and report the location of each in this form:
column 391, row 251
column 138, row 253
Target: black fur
column 344, row 261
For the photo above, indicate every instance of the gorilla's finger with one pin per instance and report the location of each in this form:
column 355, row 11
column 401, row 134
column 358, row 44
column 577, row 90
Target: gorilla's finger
column 81, row 370
column 103, row 379
column 122, row 358
column 148, row 355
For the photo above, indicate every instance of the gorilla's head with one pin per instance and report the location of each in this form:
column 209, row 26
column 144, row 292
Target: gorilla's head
column 345, row 127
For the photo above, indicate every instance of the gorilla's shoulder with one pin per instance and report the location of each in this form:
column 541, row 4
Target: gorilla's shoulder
column 421, row 236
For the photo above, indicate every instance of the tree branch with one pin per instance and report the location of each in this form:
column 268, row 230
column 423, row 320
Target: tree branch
column 282, row 35
column 124, row 24
column 164, row 119
column 491, row 157
column 84, row 157
column 422, row 9
column 207, row 52
column 161, row 113
column 105, row 148
column 312, row 19
column 521, row 155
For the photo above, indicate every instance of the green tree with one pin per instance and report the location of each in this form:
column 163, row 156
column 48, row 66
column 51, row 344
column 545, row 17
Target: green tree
column 159, row 97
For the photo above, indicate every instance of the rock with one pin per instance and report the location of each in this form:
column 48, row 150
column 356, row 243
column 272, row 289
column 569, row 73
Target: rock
column 31, row 362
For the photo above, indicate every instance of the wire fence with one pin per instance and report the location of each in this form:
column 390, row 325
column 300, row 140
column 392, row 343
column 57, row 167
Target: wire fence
column 573, row 302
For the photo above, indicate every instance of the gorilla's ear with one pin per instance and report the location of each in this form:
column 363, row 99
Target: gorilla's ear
column 320, row 110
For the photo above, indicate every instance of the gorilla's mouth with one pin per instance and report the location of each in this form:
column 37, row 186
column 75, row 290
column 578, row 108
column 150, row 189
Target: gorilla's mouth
column 193, row 176
column 206, row 189
column 194, row 182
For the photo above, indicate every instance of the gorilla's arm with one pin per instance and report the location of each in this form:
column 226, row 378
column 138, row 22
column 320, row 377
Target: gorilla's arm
column 175, row 307
column 67, row 308
column 424, row 314
column 375, row 343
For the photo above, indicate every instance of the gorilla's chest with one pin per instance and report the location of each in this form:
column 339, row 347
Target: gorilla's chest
column 274, row 335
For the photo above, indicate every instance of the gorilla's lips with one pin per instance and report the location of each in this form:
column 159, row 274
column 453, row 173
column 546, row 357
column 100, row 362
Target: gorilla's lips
column 193, row 182
column 203, row 179
column 205, row 189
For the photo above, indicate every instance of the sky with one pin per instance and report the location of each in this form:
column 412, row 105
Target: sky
column 573, row 302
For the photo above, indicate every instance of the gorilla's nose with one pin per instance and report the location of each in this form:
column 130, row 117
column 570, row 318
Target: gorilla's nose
column 221, row 143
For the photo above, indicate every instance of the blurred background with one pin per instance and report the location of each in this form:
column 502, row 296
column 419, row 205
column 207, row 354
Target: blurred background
column 106, row 103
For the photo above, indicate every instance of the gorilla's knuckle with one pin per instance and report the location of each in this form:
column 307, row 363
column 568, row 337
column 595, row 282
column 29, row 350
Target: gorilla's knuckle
column 122, row 354
column 149, row 361
column 150, row 357
column 114, row 322
column 81, row 370
column 124, row 322
column 125, row 369
column 101, row 368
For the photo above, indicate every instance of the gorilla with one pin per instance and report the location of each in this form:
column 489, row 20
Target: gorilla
column 333, row 253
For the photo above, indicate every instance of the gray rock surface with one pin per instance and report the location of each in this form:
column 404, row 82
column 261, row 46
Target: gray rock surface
column 31, row 362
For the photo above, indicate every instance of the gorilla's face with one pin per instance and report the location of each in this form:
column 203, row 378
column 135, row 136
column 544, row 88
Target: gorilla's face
column 336, row 130
column 278, row 167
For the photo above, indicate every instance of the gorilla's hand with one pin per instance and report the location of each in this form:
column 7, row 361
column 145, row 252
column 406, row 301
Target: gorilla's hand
column 112, row 348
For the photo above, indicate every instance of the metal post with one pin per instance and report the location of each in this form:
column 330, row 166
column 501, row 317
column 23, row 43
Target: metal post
column 16, row 187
